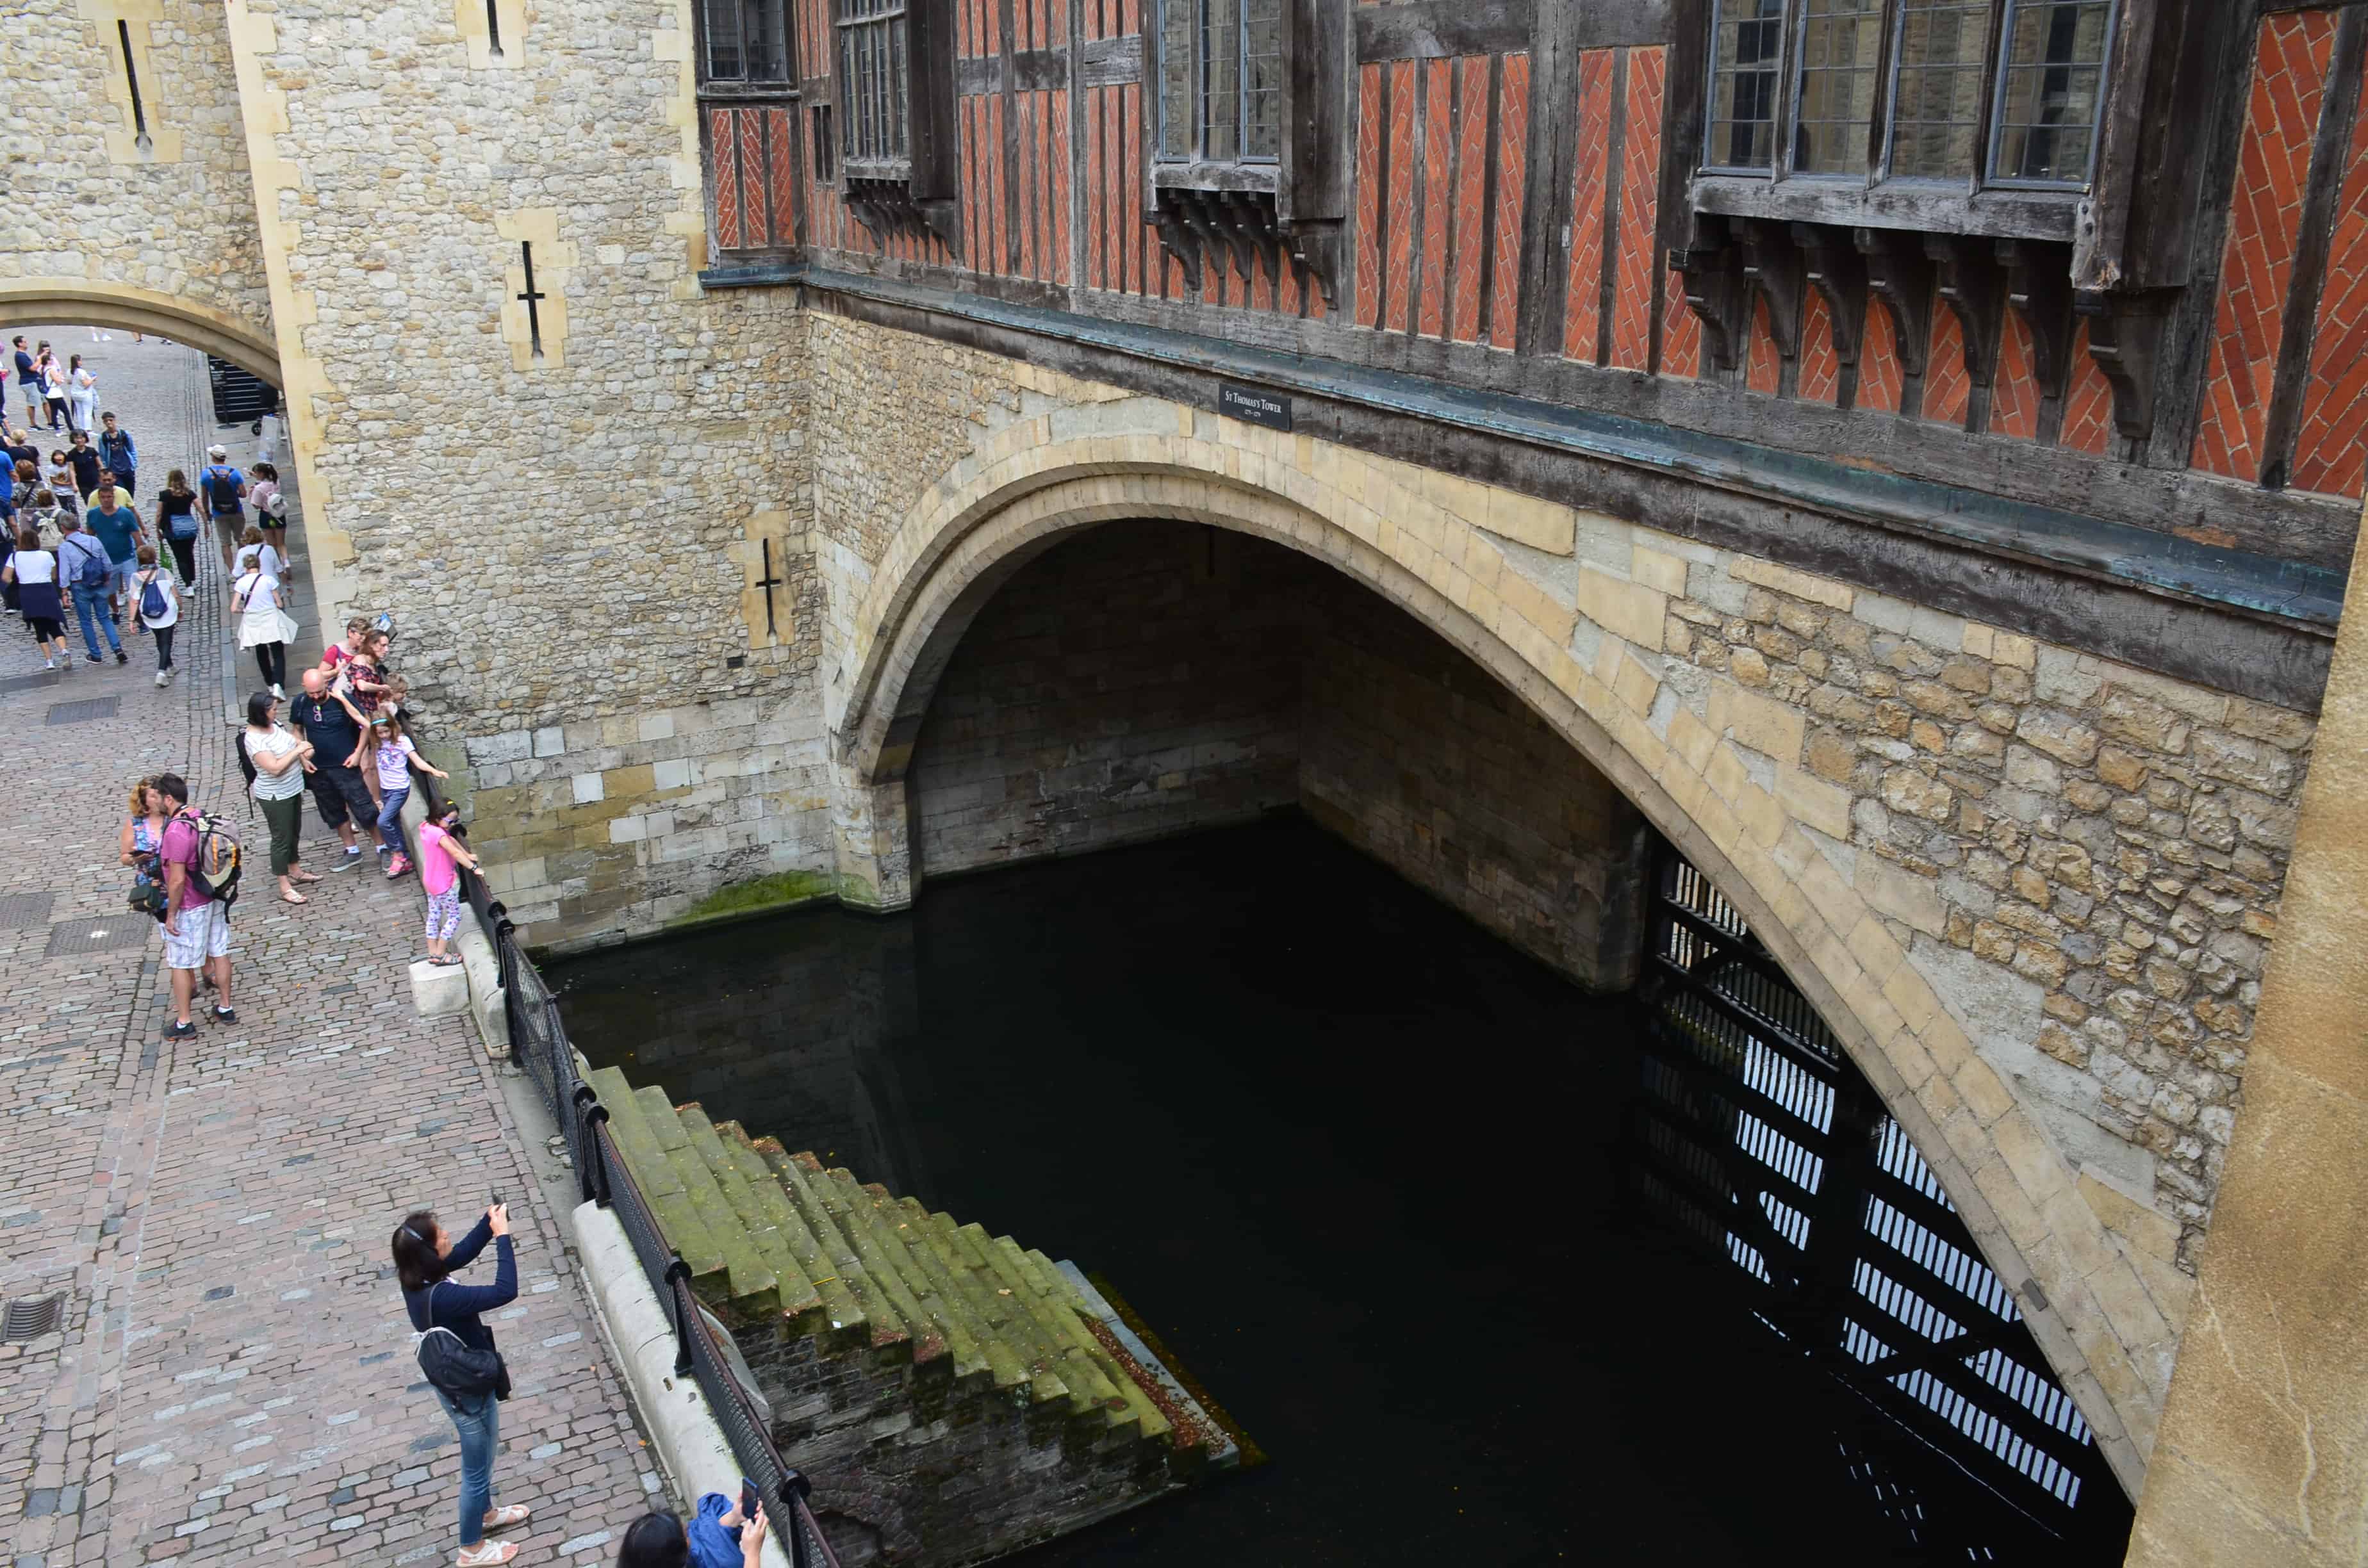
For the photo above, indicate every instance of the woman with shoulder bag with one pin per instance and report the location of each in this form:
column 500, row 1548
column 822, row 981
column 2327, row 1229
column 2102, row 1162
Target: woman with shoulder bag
column 142, row 837
column 278, row 760
column 261, row 603
column 35, row 573
column 425, row 1258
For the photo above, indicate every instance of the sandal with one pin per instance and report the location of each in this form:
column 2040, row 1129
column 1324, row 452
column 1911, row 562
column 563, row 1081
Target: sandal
column 293, row 898
column 303, row 877
column 446, row 961
column 484, row 1553
column 505, row 1516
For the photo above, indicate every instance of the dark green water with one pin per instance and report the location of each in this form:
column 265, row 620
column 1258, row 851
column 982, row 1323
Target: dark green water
column 1357, row 1162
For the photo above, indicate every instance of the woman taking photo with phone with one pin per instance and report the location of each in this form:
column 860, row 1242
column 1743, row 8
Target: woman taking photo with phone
column 718, row 1535
column 425, row 1258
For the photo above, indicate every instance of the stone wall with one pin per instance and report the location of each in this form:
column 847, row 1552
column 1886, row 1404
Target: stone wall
column 911, row 1466
column 167, row 225
column 1139, row 681
column 1423, row 760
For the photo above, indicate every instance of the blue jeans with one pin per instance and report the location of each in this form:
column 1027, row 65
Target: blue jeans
column 480, row 1429
column 390, row 820
column 84, row 600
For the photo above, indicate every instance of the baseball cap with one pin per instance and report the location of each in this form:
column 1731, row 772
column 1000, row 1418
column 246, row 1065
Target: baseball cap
column 217, row 451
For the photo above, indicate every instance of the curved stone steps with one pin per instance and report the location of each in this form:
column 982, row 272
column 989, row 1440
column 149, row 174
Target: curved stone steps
column 780, row 1237
column 840, row 1310
column 660, row 1183
column 1007, row 1322
column 884, row 1325
column 748, row 1284
column 863, row 1216
column 794, row 1293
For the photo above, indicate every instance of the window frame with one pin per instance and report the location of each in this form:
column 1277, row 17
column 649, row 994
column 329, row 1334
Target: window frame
column 890, row 19
column 743, row 85
column 1980, row 179
column 1196, row 169
column 2002, row 29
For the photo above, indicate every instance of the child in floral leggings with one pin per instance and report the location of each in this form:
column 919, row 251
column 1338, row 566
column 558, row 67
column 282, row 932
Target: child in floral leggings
column 440, row 851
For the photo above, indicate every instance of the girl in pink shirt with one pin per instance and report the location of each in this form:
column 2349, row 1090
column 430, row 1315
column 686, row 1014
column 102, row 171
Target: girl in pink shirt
column 439, row 851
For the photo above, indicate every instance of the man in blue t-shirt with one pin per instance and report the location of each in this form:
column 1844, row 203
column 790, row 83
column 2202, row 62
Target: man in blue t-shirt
column 28, row 382
column 115, row 524
column 224, row 489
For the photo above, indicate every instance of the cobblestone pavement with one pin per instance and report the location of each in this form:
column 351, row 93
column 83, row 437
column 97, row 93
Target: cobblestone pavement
column 233, row 1376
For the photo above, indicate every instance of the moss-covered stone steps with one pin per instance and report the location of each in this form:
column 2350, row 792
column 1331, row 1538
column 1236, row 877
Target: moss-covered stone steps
column 784, row 1240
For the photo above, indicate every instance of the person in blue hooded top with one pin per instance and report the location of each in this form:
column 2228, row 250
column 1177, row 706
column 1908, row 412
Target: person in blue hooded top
column 717, row 1537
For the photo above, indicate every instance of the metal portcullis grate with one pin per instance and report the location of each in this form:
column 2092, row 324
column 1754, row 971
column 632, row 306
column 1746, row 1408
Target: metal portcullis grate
column 20, row 910
column 83, row 712
column 14, row 684
column 29, row 1317
column 98, row 934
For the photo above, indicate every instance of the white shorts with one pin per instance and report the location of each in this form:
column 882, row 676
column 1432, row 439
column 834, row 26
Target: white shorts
column 205, row 934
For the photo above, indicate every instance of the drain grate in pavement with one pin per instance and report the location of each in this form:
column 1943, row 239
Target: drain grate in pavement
column 29, row 1317
column 30, row 683
column 98, row 934
column 84, row 711
column 18, row 910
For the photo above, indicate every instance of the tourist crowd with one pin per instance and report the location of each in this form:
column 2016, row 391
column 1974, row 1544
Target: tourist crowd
column 71, row 536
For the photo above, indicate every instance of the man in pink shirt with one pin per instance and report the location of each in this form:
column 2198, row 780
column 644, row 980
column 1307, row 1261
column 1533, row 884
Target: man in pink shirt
column 197, row 928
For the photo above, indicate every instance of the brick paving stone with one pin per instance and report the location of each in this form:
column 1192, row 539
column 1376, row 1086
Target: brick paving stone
column 233, row 1377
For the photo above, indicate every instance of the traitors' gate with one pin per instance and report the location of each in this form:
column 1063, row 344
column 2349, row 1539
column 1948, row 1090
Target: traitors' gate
column 1759, row 1136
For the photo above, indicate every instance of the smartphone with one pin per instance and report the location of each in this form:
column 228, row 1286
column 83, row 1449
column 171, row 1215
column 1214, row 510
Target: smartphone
column 494, row 1200
column 747, row 1498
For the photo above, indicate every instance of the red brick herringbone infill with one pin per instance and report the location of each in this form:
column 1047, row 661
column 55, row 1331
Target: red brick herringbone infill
column 1590, row 187
column 2264, row 220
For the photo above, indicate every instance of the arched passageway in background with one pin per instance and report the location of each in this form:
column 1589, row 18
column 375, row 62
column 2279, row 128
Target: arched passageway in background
column 248, row 344
column 969, row 537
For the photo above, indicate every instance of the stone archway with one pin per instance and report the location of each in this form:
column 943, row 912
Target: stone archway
column 202, row 327
column 1409, row 538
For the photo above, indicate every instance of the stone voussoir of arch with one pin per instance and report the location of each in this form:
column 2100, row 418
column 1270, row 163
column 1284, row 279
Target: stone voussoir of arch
column 248, row 344
column 1023, row 489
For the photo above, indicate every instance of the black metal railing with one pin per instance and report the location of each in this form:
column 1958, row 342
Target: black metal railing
column 540, row 1046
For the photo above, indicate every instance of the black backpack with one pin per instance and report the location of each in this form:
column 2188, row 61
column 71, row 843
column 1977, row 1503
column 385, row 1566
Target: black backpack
column 222, row 490
column 447, row 1363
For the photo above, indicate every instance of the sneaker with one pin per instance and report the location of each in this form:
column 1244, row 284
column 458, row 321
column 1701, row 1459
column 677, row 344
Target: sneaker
column 164, row 677
column 353, row 851
column 123, row 658
column 180, row 1031
column 94, row 658
column 277, row 692
column 225, row 1014
column 48, row 664
column 397, row 866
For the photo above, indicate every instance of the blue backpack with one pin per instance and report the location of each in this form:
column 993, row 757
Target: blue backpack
column 152, row 603
column 90, row 562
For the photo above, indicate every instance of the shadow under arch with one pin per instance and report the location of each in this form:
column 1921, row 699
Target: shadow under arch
column 957, row 548
column 202, row 327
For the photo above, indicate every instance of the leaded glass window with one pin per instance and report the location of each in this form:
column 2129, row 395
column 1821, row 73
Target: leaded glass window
column 874, row 88
column 1936, row 113
column 748, row 40
column 2051, row 88
column 1746, row 50
column 1841, row 49
column 1221, row 81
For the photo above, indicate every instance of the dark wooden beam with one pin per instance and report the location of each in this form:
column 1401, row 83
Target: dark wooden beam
column 1716, row 291
column 1899, row 277
column 1968, row 282
column 2330, row 159
column 1546, row 199
column 2039, row 291
column 1832, row 265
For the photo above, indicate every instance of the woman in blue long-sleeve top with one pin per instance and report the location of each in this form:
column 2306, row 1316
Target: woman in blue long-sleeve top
column 425, row 1258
